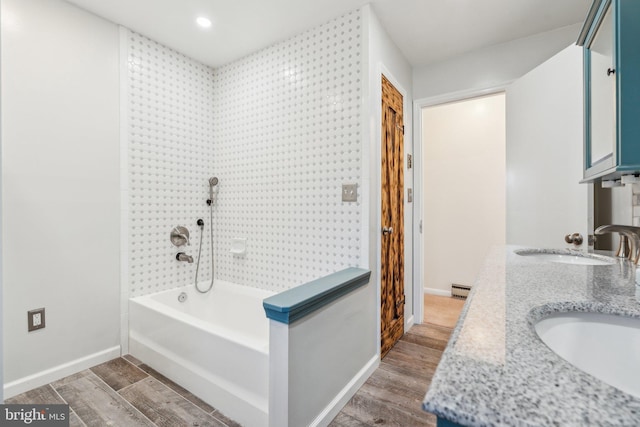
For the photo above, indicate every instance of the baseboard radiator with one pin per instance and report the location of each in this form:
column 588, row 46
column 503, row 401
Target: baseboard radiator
column 460, row 291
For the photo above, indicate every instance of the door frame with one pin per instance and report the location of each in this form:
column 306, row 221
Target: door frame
column 418, row 177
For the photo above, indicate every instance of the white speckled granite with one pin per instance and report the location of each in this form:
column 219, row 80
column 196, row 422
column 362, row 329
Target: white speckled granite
column 496, row 371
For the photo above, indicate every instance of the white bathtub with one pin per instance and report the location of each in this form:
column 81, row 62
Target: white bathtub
column 215, row 344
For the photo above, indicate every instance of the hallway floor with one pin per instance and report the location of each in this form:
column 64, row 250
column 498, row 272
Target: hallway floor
column 442, row 311
column 126, row 392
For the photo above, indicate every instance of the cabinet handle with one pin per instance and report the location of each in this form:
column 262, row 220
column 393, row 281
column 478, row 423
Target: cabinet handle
column 611, row 71
column 387, row 230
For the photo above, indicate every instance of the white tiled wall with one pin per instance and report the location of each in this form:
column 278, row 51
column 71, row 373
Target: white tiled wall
column 281, row 131
column 287, row 136
column 170, row 156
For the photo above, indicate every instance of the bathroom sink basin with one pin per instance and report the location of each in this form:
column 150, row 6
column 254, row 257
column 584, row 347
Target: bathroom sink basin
column 603, row 345
column 565, row 257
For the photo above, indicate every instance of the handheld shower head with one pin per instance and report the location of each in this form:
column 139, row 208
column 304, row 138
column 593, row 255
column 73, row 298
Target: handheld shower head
column 213, row 181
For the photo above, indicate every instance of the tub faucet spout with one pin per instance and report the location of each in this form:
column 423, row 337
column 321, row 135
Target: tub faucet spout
column 181, row 256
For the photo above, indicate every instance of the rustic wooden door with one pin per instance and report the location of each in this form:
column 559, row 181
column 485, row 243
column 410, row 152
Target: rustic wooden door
column 392, row 201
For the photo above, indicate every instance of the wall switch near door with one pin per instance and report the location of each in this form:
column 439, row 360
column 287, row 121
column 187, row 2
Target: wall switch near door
column 35, row 319
column 349, row 192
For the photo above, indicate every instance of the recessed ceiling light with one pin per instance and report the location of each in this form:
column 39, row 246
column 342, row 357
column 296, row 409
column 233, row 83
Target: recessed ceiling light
column 203, row 22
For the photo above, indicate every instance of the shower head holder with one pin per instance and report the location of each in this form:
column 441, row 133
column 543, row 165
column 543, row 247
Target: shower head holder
column 213, row 181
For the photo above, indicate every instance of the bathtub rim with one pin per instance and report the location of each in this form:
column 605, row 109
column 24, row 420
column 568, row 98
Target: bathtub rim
column 149, row 302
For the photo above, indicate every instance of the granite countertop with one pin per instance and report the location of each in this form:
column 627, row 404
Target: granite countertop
column 496, row 371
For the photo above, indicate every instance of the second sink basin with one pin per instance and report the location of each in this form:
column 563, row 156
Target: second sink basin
column 603, row 345
column 565, row 256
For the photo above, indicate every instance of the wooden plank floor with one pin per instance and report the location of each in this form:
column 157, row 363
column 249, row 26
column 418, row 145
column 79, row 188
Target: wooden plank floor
column 441, row 310
column 127, row 393
column 393, row 395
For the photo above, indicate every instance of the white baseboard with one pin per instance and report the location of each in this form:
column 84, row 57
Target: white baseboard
column 335, row 406
column 408, row 323
column 47, row 376
column 440, row 292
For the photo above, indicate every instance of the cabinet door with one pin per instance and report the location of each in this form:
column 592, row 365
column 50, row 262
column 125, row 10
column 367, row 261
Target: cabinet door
column 602, row 99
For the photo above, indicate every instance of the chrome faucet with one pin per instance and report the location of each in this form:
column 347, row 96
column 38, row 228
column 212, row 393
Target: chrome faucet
column 629, row 240
column 181, row 256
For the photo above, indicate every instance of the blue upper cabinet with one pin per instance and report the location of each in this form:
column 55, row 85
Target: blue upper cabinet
column 611, row 41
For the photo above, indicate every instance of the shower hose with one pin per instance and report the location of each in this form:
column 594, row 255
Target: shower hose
column 201, row 224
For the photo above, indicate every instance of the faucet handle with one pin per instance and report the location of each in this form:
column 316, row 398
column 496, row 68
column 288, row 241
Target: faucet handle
column 575, row 238
column 179, row 236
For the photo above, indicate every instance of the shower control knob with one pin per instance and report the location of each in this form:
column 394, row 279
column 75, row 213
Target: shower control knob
column 179, row 236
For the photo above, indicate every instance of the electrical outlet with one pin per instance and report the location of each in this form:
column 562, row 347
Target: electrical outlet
column 35, row 319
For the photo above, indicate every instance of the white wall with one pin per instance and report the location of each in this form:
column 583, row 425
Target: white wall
column 60, row 190
column 463, row 147
column 545, row 200
column 287, row 136
column 279, row 128
column 382, row 56
column 318, row 362
column 491, row 66
column 168, row 149
column 1, row 287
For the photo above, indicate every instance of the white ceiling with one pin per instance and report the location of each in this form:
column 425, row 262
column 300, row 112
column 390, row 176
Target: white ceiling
column 426, row 31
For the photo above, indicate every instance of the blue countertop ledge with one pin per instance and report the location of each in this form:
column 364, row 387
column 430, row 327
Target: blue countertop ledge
column 296, row 303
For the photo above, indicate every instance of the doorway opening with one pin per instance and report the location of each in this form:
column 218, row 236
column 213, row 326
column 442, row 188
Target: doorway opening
column 463, row 189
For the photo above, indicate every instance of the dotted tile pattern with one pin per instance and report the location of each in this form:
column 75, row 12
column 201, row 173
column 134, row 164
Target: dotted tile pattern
column 287, row 136
column 170, row 157
column 279, row 128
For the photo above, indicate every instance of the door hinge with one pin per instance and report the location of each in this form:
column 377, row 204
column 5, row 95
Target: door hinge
column 420, row 226
column 409, row 161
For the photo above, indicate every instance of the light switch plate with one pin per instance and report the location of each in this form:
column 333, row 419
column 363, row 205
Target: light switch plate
column 349, row 192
